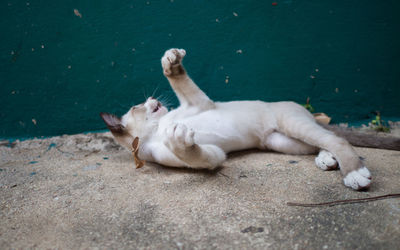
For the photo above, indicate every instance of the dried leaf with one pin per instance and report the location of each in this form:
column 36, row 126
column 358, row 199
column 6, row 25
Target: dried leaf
column 322, row 118
column 135, row 151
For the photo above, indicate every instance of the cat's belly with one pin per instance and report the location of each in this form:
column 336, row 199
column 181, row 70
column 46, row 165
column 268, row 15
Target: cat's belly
column 229, row 127
column 226, row 137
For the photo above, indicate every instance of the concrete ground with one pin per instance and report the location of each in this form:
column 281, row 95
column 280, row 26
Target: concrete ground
column 82, row 191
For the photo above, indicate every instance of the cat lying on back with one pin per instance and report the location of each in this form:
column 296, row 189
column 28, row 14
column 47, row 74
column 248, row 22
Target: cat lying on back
column 200, row 132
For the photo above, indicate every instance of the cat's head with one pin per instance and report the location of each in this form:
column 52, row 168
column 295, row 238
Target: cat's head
column 140, row 121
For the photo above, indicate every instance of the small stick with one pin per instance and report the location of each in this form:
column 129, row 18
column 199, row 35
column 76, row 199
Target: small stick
column 340, row 202
column 223, row 174
column 135, row 151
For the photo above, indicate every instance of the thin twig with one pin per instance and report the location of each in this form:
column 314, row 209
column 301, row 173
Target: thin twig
column 340, row 202
column 223, row 175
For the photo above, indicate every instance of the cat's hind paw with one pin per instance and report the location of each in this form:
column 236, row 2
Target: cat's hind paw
column 171, row 62
column 359, row 179
column 326, row 161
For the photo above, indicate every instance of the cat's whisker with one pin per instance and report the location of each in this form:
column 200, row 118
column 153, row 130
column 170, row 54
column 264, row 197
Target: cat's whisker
column 166, row 101
column 163, row 99
column 155, row 90
column 166, row 98
column 144, row 94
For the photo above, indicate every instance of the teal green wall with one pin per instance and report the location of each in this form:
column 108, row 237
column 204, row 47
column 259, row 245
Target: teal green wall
column 62, row 70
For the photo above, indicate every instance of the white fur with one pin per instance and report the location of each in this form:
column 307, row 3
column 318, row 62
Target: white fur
column 358, row 179
column 200, row 132
column 325, row 160
column 282, row 143
column 365, row 172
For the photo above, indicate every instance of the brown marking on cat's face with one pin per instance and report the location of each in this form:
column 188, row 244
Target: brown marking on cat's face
column 140, row 121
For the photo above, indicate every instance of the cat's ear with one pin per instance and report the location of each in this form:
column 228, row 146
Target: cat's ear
column 114, row 124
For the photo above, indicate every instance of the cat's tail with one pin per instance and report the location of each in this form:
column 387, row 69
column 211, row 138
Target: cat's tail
column 365, row 140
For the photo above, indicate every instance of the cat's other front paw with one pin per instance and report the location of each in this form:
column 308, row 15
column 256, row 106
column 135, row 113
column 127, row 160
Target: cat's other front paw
column 179, row 137
column 172, row 62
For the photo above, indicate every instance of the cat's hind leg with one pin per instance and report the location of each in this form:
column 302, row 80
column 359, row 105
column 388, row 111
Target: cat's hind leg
column 281, row 143
column 296, row 122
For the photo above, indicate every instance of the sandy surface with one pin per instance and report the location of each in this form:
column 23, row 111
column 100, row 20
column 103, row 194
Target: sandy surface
column 82, row 191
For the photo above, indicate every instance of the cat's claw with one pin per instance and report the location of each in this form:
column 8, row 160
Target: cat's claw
column 179, row 137
column 172, row 60
column 359, row 179
column 326, row 161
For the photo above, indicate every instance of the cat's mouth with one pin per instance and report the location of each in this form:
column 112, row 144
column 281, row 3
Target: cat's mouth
column 157, row 107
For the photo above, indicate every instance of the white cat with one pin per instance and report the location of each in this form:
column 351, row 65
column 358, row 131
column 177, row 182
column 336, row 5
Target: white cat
column 200, row 132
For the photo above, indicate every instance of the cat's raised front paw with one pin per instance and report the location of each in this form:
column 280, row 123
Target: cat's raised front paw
column 179, row 137
column 171, row 62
